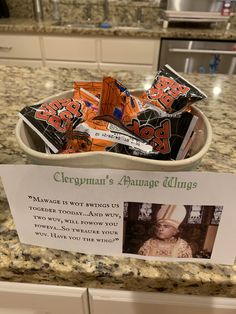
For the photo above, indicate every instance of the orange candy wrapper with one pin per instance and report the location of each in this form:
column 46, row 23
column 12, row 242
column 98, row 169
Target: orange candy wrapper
column 89, row 92
column 99, row 135
column 94, row 88
column 117, row 101
column 81, row 138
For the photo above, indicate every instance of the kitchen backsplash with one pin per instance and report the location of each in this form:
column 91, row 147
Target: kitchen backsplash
column 120, row 12
column 20, row 8
column 126, row 12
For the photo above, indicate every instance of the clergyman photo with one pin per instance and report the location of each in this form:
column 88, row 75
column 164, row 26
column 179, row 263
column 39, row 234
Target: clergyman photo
column 170, row 230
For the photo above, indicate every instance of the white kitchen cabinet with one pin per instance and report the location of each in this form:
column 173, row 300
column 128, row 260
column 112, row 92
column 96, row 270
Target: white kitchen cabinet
column 20, row 50
column 116, row 302
column 129, row 53
column 70, row 51
column 101, row 53
column 21, row 298
column 80, row 52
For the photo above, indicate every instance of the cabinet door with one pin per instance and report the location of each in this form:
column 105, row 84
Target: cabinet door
column 18, row 298
column 129, row 51
column 20, row 46
column 116, row 302
column 69, row 48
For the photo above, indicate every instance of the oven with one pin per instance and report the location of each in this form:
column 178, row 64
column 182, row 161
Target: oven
column 198, row 56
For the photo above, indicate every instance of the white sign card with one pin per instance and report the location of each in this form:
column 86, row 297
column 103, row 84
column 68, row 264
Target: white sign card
column 181, row 216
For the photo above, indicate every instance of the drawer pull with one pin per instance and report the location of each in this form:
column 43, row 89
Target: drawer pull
column 6, row 49
column 209, row 51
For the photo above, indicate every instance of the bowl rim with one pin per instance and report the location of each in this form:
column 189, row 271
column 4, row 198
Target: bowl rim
column 60, row 157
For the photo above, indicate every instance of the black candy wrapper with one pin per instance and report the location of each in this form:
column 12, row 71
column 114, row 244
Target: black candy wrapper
column 167, row 135
column 171, row 92
column 51, row 121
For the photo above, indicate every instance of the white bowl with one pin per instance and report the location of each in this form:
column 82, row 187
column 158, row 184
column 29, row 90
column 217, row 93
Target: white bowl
column 34, row 148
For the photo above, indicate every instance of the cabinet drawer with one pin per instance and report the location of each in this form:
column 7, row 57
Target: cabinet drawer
column 24, row 298
column 20, row 47
column 132, row 51
column 70, row 48
column 116, row 302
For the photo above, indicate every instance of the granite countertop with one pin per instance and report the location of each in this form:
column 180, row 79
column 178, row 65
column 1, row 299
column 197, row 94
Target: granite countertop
column 29, row 26
column 25, row 263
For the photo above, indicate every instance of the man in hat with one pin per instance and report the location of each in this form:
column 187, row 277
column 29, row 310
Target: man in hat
column 166, row 241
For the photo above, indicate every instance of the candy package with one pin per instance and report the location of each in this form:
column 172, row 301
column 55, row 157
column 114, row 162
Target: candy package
column 99, row 135
column 89, row 92
column 94, row 88
column 168, row 136
column 170, row 92
column 117, row 101
column 51, row 121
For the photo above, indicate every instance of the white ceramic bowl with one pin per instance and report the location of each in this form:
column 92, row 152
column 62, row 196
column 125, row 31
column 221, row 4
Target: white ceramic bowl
column 34, row 147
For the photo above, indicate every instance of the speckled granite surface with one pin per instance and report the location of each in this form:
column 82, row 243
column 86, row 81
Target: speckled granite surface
column 22, row 263
column 29, row 26
column 119, row 11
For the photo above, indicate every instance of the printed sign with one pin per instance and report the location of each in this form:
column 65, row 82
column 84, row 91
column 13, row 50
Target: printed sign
column 181, row 216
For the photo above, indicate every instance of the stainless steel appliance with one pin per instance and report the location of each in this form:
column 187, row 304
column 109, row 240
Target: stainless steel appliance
column 198, row 56
column 193, row 5
column 198, row 11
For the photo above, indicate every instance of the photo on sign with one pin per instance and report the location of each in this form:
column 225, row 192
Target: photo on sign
column 178, row 231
